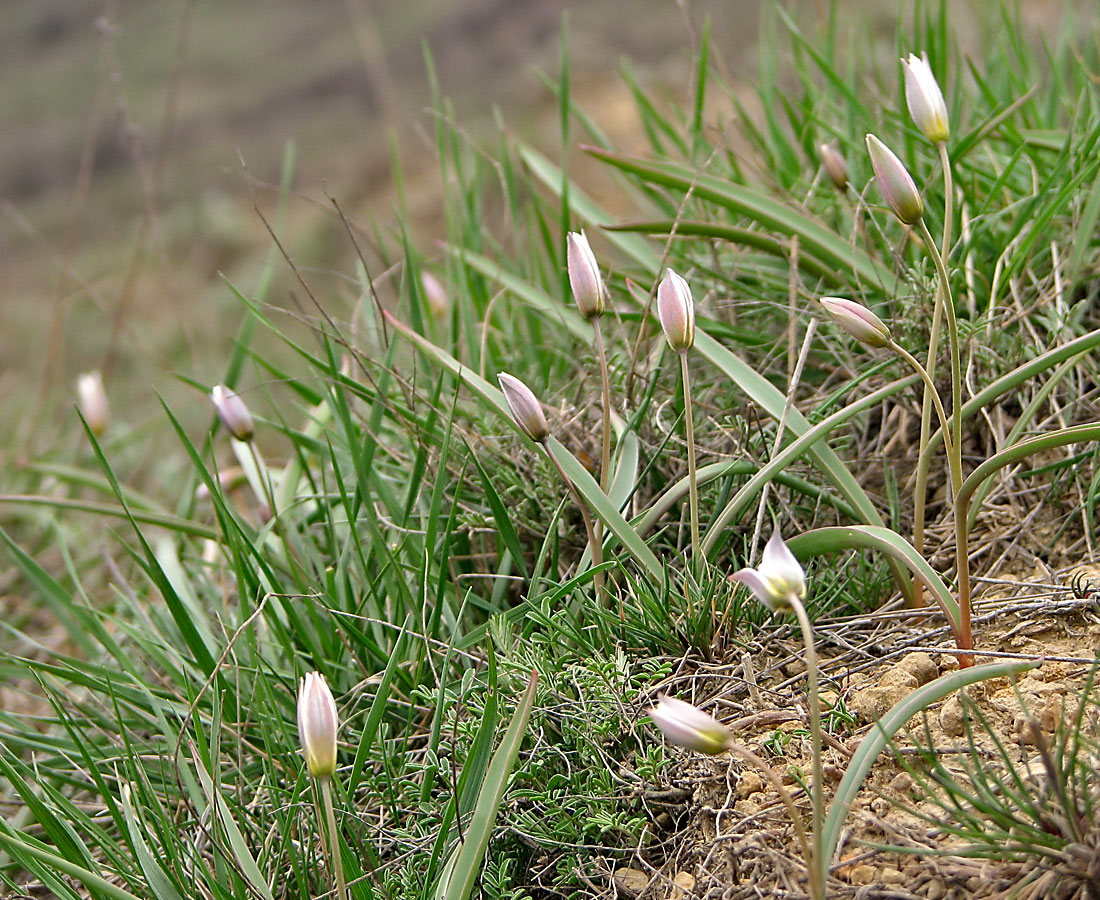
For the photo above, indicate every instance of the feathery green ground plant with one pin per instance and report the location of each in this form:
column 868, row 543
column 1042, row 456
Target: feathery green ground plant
column 396, row 531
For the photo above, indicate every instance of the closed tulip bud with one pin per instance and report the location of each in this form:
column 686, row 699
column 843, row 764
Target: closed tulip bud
column 584, row 276
column 778, row 580
column 92, row 401
column 317, row 725
column 525, row 407
column 233, row 413
column 858, row 321
column 897, row 186
column 439, row 303
column 925, row 99
column 835, row 166
column 676, row 311
column 687, row 726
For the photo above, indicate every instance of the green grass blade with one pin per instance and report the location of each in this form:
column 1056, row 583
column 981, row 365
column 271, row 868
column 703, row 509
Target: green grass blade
column 868, row 537
column 606, row 510
column 814, row 235
column 237, row 844
column 885, row 729
column 468, row 863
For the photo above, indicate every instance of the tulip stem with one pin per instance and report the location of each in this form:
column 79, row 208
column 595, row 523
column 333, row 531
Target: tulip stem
column 920, row 488
column 605, row 448
column 334, row 839
column 929, row 391
column 797, row 822
column 693, row 481
column 817, row 863
column 962, row 557
column 594, row 543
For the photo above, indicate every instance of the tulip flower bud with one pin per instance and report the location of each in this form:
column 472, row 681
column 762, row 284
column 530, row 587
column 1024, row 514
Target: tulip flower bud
column 835, row 166
column 778, row 580
column 317, row 724
column 233, row 413
column 584, row 276
column 439, row 303
column 687, row 726
column 676, row 311
column 925, row 99
column 92, row 401
column 525, row 407
column 895, row 182
column 858, row 321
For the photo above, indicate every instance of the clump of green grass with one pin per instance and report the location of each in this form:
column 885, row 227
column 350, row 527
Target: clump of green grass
column 390, row 526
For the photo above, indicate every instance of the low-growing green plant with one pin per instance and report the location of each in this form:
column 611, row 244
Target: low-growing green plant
column 395, row 535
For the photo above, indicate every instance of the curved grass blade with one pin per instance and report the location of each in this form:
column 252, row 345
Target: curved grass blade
column 1076, row 434
column 869, row 537
column 96, row 884
column 459, row 881
column 792, row 452
column 606, row 510
column 815, row 237
column 885, row 729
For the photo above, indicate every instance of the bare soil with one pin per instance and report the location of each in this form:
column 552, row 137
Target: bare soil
column 726, row 834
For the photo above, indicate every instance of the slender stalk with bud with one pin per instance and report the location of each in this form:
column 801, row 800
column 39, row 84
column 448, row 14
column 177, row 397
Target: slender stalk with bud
column 780, row 584
column 317, row 727
column 676, row 310
column 528, row 414
column 929, row 113
column 590, row 295
column 901, row 195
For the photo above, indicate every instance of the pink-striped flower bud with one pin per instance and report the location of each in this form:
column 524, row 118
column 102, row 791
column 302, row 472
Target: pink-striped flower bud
column 584, row 276
column 439, row 304
column 676, row 310
column 91, row 400
column 897, row 186
column 525, row 407
column 857, row 320
column 317, row 725
column 687, row 726
column 834, row 165
column 925, row 99
column 234, row 414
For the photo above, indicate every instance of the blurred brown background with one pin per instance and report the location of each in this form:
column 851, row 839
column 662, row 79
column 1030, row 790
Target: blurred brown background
column 137, row 134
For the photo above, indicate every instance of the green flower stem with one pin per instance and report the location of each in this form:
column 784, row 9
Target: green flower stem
column 797, row 822
column 920, row 487
column 334, row 840
column 962, row 558
column 689, row 435
column 605, row 449
column 597, row 547
column 929, row 392
column 816, row 862
column 605, row 382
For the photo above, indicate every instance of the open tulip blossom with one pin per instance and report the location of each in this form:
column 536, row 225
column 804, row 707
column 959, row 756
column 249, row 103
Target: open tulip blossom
column 778, row 579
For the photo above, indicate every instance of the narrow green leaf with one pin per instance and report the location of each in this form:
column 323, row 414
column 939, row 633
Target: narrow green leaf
column 871, row 537
column 814, row 235
column 885, row 729
column 160, row 885
column 468, row 862
column 237, row 843
column 91, row 880
column 606, row 510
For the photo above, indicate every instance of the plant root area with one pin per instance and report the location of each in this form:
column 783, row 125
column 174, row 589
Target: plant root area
column 991, row 793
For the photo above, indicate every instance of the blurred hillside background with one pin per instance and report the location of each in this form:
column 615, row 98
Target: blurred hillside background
column 138, row 135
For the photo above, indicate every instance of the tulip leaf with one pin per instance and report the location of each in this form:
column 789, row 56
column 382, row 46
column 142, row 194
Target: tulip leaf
column 872, row 537
column 814, row 236
column 458, row 879
column 884, row 730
